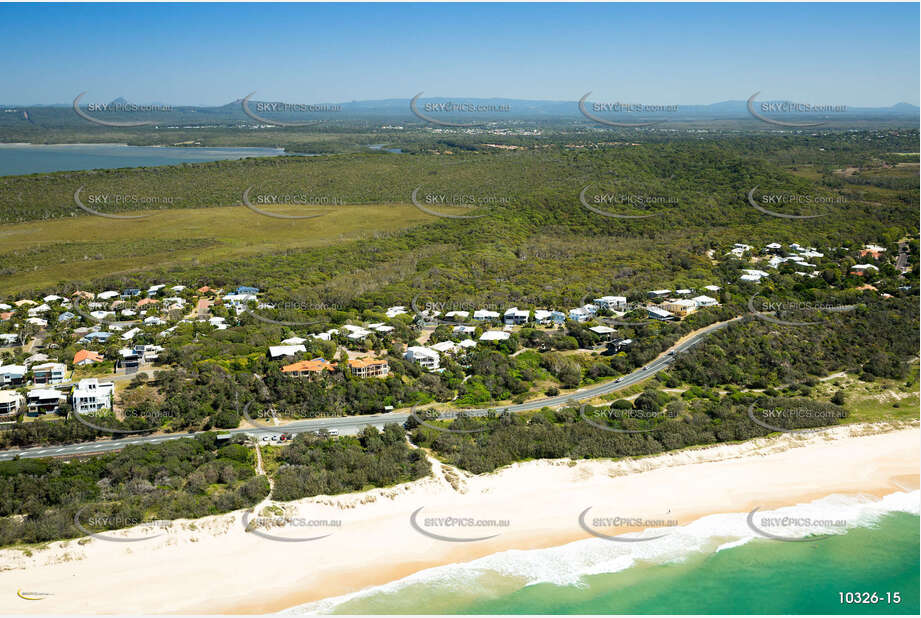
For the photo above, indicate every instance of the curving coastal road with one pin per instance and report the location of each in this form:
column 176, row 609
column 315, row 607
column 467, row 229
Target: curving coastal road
column 354, row 424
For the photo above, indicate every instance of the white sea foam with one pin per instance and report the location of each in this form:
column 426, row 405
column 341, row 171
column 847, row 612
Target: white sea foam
column 568, row 564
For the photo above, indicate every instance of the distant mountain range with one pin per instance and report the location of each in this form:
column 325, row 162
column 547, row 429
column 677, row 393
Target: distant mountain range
column 522, row 105
column 498, row 110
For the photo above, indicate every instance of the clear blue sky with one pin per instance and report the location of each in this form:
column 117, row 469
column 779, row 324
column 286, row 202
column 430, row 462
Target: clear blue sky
column 853, row 54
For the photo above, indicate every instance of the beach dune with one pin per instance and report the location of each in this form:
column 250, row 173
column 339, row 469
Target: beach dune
column 332, row 545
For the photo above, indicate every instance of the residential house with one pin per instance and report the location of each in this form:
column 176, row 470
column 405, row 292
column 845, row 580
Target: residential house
column 279, row 351
column 246, row 289
column 461, row 315
column 874, row 251
column 36, row 358
column 467, row 344
column 9, row 339
column 515, row 316
column 612, row 303
column 680, row 307
column 369, row 368
column 705, row 301
column 774, row 247
column 49, row 373
column 580, row 314
column 96, row 336
column 87, row 357
column 604, row 332
column 306, row 368
column 658, row 293
column 657, row 313
column 43, row 401
column 862, row 269
column 542, row 316
column 38, row 322
column 426, row 357
column 444, row 347
column 43, row 308
column 90, row 396
column 495, row 335
column 12, row 374
column 466, row 330
column 712, row 288
column 129, row 335
column 396, row 310
column 108, row 294
column 485, row 314
column 67, row 316
column 155, row 289
column 130, row 360
column 129, row 293
column 10, row 403
column 355, row 332
column 294, row 341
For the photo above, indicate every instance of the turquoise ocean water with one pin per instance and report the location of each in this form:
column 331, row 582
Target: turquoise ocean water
column 715, row 565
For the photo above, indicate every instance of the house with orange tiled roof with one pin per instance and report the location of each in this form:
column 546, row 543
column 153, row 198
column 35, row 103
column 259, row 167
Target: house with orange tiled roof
column 306, row 368
column 87, row 357
column 369, row 368
column 147, row 301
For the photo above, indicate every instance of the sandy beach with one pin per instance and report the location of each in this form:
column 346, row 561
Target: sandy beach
column 213, row 565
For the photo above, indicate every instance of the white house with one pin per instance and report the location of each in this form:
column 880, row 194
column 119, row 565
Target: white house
column 278, row 351
column 43, row 308
column 426, row 357
column 393, row 312
column 129, row 334
column 659, row 293
column 494, row 335
column 294, row 341
column 49, row 373
column 356, row 332
column 659, row 314
column 580, row 314
column 712, row 288
column 705, row 301
column 485, row 314
column 444, row 347
column 463, row 315
column 90, row 396
column 604, row 331
column 12, row 374
column 467, row 344
column 466, row 330
column 516, row 316
column 612, row 303
column 42, row 400
column 10, row 402
column 107, row 294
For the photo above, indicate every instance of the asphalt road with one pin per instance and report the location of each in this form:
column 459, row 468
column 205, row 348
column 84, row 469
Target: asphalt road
column 354, row 424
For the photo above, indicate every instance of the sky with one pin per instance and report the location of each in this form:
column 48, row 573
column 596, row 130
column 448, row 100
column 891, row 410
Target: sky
column 856, row 54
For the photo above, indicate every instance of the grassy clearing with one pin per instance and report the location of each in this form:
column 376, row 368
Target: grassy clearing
column 880, row 400
column 161, row 240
